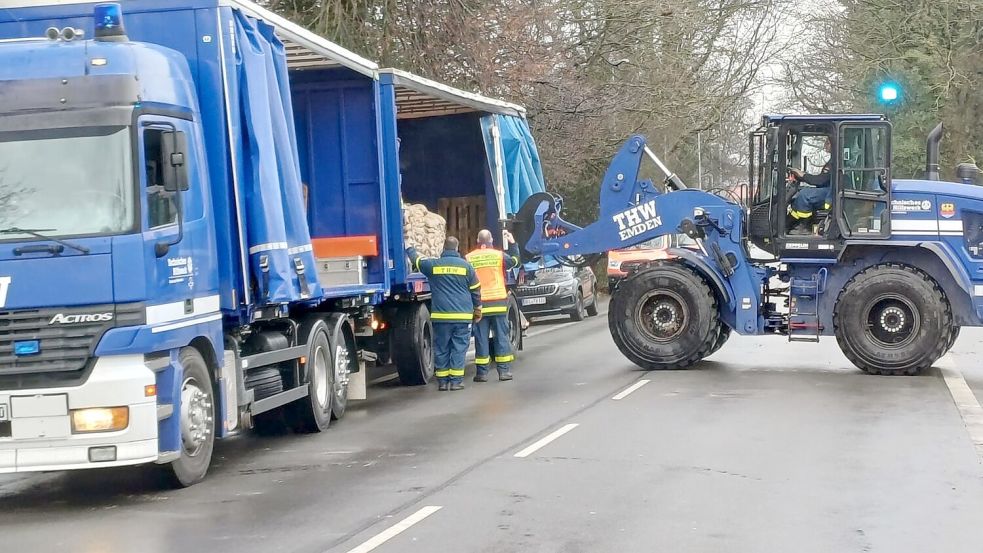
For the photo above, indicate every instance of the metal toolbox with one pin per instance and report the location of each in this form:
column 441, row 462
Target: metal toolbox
column 340, row 271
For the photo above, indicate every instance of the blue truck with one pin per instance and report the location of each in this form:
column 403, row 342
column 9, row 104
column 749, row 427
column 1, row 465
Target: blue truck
column 201, row 225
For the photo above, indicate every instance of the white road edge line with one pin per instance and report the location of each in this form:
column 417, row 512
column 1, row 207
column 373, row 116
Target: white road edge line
column 545, row 441
column 623, row 394
column 396, row 530
column 966, row 402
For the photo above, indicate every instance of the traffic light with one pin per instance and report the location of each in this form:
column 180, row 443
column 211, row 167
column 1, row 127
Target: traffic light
column 888, row 93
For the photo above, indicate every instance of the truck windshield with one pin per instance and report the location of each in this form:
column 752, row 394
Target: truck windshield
column 69, row 182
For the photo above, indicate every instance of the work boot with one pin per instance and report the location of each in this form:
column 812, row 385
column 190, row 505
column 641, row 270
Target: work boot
column 442, row 387
column 457, row 386
column 802, row 227
column 480, row 378
column 505, row 376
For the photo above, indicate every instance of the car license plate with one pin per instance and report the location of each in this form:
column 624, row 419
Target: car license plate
column 4, row 412
column 533, row 301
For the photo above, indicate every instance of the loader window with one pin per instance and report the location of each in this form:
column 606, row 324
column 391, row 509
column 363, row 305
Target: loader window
column 161, row 205
column 865, row 175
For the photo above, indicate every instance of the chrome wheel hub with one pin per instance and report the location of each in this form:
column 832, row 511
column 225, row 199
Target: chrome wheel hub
column 197, row 423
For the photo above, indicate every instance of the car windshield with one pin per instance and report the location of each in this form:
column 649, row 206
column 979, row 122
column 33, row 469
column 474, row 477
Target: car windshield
column 653, row 244
column 66, row 182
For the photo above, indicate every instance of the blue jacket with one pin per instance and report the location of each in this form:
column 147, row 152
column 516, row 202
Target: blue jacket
column 453, row 284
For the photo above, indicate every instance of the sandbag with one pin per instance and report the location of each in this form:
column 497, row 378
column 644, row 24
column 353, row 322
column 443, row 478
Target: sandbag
column 424, row 230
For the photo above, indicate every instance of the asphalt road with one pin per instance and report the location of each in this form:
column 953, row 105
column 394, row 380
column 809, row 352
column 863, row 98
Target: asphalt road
column 766, row 447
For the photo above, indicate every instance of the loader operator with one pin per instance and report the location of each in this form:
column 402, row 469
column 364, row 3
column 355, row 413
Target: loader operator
column 491, row 266
column 809, row 200
column 455, row 303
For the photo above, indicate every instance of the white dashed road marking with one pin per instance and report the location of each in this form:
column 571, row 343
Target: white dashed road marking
column 396, row 530
column 545, row 441
column 623, row 394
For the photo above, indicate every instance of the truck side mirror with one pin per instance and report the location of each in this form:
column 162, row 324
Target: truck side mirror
column 174, row 145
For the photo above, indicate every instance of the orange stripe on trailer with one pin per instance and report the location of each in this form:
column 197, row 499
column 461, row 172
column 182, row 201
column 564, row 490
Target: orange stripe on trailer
column 346, row 246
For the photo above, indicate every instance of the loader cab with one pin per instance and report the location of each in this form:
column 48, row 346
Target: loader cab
column 817, row 182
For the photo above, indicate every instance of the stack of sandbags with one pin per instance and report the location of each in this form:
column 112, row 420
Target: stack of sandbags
column 424, row 230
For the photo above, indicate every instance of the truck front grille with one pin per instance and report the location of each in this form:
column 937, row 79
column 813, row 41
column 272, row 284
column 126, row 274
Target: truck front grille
column 65, row 340
column 540, row 290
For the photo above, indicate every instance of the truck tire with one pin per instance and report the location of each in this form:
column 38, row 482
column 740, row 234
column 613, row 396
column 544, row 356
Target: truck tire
column 592, row 308
column 197, row 419
column 414, row 344
column 264, row 382
column 664, row 317
column 313, row 413
column 722, row 337
column 342, row 346
column 892, row 319
column 578, row 313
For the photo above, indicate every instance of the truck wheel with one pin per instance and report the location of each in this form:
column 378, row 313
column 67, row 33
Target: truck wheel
column 722, row 337
column 664, row 317
column 892, row 319
column 313, row 413
column 592, row 308
column 515, row 324
column 578, row 313
column 414, row 344
column 197, row 422
column 342, row 364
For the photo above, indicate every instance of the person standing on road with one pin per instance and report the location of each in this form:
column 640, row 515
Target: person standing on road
column 454, row 305
column 491, row 266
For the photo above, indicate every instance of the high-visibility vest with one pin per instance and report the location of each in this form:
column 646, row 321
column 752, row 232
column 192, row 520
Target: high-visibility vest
column 489, row 263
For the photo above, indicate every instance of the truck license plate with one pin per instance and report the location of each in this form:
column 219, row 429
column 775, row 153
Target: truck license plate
column 533, row 301
column 4, row 412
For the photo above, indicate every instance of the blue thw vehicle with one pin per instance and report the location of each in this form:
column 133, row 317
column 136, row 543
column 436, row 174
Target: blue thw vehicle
column 201, row 225
column 893, row 268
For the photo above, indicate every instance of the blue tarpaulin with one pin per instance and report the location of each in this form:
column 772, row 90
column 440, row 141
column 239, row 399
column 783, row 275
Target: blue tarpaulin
column 280, row 254
column 521, row 170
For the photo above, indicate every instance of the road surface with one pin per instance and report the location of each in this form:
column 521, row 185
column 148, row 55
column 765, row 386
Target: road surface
column 766, row 447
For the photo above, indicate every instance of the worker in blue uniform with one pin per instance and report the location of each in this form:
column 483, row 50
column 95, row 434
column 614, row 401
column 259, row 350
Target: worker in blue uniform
column 492, row 266
column 809, row 200
column 455, row 303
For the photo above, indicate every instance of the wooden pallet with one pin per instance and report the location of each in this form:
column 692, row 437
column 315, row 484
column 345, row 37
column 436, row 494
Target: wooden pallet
column 465, row 217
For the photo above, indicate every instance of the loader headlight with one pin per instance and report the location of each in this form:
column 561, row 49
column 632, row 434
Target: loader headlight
column 100, row 419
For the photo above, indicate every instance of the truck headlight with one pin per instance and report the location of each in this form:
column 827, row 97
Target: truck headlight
column 100, row 419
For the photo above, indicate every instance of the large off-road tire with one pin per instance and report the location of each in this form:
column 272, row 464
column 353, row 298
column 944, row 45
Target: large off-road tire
column 197, row 419
column 592, row 308
column 664, row 317
column 313, row 413
column 892, row 319
column 722, row 337
column 952, row 339
column 414, row 344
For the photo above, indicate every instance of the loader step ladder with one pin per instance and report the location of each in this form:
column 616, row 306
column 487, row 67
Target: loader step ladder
column 803, row 309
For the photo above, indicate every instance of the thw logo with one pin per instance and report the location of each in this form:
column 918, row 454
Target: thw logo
column 4, row 286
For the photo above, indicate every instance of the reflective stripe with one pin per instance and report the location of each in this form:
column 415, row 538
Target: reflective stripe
column 827, row 205
column 800, row 214
column 445, row 270
column 457, row 372
column 442, row 373
column 504, row 358
column 452, row 316
column 486, row 360
column 492, row 310
column 476, row 286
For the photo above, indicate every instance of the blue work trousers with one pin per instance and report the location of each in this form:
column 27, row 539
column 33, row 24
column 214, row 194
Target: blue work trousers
column 499, row 324
column 809, row 200
column 450, row 345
